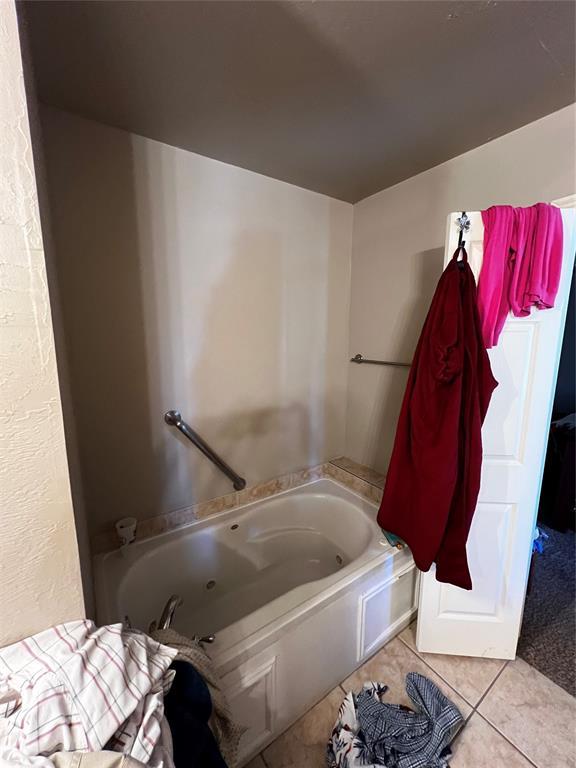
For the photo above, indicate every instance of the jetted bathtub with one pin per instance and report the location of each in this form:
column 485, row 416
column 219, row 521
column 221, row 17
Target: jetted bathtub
column 298, row 589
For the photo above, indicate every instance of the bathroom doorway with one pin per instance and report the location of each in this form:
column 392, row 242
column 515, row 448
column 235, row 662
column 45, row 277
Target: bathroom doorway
column 547, row 639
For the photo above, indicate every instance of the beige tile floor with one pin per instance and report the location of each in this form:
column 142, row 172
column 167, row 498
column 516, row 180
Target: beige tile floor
column 515, row 717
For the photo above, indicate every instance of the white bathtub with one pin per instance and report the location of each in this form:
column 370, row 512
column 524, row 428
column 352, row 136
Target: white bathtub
column 298, row 589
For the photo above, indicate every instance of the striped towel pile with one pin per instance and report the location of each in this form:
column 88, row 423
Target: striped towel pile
column 79, row 687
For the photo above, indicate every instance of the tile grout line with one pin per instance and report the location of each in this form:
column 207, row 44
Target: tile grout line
column 487, row 691
column 474, row 708
column 476, row 711
column 506, row 739
column 493, row 725
column 261, row 753
column 452, row 688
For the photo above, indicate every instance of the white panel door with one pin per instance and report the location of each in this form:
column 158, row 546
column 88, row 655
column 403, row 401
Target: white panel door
column 486, row 621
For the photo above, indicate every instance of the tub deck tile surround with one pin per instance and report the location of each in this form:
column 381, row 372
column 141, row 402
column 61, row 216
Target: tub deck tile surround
column 359, row 478
column 355, row 483
column 360, row 470
column 516, row 717
column 269, row 488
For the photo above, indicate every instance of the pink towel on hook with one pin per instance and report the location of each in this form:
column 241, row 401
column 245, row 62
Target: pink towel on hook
column 521, row 266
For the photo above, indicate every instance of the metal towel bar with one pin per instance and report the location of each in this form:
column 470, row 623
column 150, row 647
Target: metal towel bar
column 359, row 359
column 174, row 419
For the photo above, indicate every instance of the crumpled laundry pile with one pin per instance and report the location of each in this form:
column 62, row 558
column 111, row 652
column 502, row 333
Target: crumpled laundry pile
column 81, row 696
column 227, row 732
column 79, row 687
column 371, row 733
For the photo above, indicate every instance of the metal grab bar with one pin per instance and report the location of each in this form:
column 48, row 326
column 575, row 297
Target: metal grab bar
column 359, row 359
column 174, row 419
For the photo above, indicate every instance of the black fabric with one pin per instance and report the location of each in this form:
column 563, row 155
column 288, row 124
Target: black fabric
column 188, row 708
column 558, row 498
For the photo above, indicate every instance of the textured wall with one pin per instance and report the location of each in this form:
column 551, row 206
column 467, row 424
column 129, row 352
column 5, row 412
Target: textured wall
column 190, row 283
column 397, row 258
column 39, row 571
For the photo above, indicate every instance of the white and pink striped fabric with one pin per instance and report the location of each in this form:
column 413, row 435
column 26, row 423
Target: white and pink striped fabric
column 80, row 687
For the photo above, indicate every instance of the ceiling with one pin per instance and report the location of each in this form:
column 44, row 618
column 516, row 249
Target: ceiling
column 344, row 98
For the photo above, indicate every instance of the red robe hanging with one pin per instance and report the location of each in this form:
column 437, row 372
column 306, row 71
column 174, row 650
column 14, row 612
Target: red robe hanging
column 434, row 475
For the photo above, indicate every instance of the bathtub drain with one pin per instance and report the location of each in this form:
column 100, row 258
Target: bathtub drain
column 339, row 559
column 210, row 584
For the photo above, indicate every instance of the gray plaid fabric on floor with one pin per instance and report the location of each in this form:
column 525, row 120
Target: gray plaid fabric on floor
column 400, row 738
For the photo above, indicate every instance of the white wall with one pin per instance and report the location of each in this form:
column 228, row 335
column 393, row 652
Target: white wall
column 188, row 283
column 398, row 247
column 40, row 581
